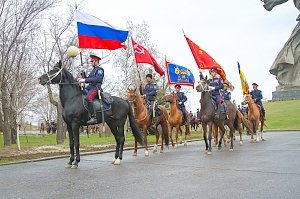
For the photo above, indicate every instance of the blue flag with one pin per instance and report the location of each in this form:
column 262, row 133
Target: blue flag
column 180, row 75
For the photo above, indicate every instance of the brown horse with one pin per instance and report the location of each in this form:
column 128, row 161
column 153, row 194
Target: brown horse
column 143, row 119
column 207, row 117
column 176, row 119
column 241, row 120
column 255, row 117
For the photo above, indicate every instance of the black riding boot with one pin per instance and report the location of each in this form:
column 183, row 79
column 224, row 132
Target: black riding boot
column 93, row 119
column 184, row 118
column 263, row 114
column 217, row 112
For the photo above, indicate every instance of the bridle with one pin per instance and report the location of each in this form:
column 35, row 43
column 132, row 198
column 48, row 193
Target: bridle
column 51, row 77
column 204, row 86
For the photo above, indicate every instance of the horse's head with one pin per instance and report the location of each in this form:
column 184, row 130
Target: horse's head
column 270, row 4
column 54, row 76
column 131, row 94
column 202, row 84
column 170, row 98
column 247, row 99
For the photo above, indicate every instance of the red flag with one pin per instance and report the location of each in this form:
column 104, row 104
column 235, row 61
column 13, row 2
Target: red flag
column 204, row 60
column 143, row 56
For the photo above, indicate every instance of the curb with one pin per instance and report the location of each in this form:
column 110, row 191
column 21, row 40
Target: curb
column 81, row 154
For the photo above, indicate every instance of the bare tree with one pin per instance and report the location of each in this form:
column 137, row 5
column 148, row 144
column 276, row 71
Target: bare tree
column 131, row 74
column 19, row 22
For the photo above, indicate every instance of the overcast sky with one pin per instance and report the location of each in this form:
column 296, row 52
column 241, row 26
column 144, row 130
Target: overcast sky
column 230, row 31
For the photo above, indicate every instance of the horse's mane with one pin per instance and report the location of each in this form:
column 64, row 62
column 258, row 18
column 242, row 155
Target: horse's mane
column 68, row 76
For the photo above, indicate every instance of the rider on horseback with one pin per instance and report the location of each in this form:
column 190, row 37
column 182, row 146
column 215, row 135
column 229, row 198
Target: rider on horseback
column 181, row 98
column 95, row 80
column 150, row 95
column 226, row 95
column 215, row 84
column 257, row 97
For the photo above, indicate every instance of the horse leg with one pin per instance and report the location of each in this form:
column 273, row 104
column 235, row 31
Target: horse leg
column 75, row 128
column 209, row 139
column 215, row 133
column 171, row 136
column 156, row 141
column 262, row 129
column 187, row 132
column 222, row 128
column 145, row 137
column 178, row 129
column 135, row 148
column 204, row 127
column 71, row 145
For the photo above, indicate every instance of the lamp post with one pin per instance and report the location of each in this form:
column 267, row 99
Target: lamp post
column 72, row 52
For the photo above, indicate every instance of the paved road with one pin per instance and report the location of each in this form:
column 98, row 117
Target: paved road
column 270, row 169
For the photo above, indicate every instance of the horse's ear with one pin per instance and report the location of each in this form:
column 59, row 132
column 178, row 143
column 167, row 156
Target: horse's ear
column 59, row 63
column 205, row 77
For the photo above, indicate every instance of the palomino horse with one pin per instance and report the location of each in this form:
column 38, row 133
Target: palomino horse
column 176, row 119
column 143, row 119
column 75, row 114
column 207, row 117
column 254, row 117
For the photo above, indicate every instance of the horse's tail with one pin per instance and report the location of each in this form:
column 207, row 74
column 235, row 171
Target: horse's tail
column 134, row 127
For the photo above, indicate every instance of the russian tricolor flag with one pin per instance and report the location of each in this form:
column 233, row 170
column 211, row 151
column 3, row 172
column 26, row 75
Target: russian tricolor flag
column 97, row 34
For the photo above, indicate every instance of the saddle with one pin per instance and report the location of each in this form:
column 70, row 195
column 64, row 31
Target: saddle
column 107, row 100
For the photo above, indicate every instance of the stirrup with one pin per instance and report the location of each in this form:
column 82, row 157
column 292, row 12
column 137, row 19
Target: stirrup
column 92, row 121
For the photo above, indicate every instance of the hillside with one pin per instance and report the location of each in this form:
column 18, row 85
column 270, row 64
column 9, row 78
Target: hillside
column 283, row 115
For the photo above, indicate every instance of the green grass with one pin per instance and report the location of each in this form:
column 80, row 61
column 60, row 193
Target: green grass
column 283, row 115
column 30, row 141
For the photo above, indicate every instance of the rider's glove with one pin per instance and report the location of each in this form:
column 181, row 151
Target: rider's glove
column 81, row 80
column 211, row 88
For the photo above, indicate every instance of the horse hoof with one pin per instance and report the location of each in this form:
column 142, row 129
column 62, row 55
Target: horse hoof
column 251, row 141
column 134, row 154
column 68, row 166
column 117, row 162
column 146, row 153
column 230, row 150
column 208, row 152
column 154, row 150
column 113, row 162
column 74, row 166
column 219, row 148
column 161, row 151
column 185, row 144
column 241, row 143
column 263, row 139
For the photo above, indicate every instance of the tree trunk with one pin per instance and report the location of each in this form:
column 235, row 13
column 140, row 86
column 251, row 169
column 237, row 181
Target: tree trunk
column 60, row 135
column 61, row 129
column 5, row 109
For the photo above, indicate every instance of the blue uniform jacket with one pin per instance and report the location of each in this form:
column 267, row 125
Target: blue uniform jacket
column 226, row 95
column 150, row 91
column 217, row 83
column 257, row 96
column 180, row 96
column 95, row 78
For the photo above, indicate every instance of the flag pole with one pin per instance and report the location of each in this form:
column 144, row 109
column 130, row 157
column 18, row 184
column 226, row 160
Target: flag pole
column 138, row 71
column 167, row 73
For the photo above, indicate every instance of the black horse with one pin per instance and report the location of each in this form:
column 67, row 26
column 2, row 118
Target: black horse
column 75, row 114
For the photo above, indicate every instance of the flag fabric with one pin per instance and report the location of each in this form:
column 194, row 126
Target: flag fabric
column 142, row 55
column 244, row 83
column 179, row 75
column 204, row 60
column 97, row 34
